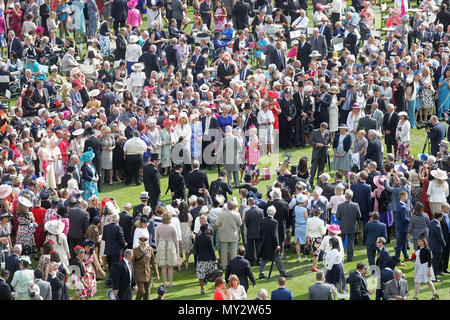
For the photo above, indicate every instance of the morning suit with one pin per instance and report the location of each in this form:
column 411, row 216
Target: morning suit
column 79, row 222
column 390, row 123
column 223, row 71
column 114, row 243
column 282, row 216
column 436, row 243
column 367, row 123
column 303, row 54
column 319, row 154
column 197, row 180
column 398, row 97
column 94, row 143
column 278, row 58
column 269, row 242
column 253, row 218
column 362, row 196
column 374, row 152
column 12, row 265
column 150, row 60
column 242, row 269
column 122, row 277
column 208, row 138
column 177, row 185
column 319, row 44
column 45, row 289
column 5, row 290
column 152, row 184
column 126, row 222
column 373, row 230
column 348, row 214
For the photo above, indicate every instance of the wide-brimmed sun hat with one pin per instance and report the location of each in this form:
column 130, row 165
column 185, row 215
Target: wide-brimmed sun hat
column 379, row 180
column 54, row 226
column 335, row 228
column 5, row 191
column 439, row 174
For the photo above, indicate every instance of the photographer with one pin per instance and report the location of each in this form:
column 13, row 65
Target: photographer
column 436, row 133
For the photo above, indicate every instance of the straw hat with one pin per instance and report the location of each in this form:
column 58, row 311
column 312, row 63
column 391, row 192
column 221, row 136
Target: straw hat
column 54, row 226
column 204, row 88
column 78, row 132
column 334, row 90
column 137, row 67
column 133, row 39
column 439, row 174
column 94, row 93
column 119, row 86
column 314, row 54
column 5, row 191
column 403, row 113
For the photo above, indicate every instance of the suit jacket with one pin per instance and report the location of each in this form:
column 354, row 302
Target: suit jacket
column 177, row 185
column 281, row 294
column 378, row 116
column 96, row 146
column 326, row 33
column 281, row 215
column 16, row 47
column 222, row 73
column 177, row 9
column 303, row 54
column 320, row 45
column 152, row 180
column 240, row 15
column 119, row 10
column 199, row 65
column 358, row 286
column 126, row 223
column 150, row 61
column 372, row 231
column 391, row 289
column 122, row 280
column 172, row 56
column 398, row 96
column 250, row 120
column 381, row 103
column 367, row 123
column 197, row 180
column 253, row 218
column 316, row 137
column 348, row 214
column 362, row 196
column 12, row 265
column 390, row 125
column 351, row 43
column 220, row 186
column 302, row 106
column 244, row 77
column 402, row 217
column 45, row 289
column 320, row 291
column 278, row 58
column 436, row 240
column 146, row 44
column 328, row 190
column 5, row 290
column 229, row 223
column 57, row 284
column 79, row 222
column 121, row 47
column 114, row 239
column 383, row 260
column 269, row 238
column 374, row 152
column 240, row 267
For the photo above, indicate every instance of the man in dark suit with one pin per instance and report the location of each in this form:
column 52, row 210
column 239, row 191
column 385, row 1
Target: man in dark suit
column 44, row 11
column 198, row 62
column 209, row 131
column 172, row 54
column 320, row 140
column 12, row 262
column 281, row 293
column 358, row 284
column 319, row 290
column 93, row 142
column 325, row 30
column 5, row 289
column 253, row 218
column 287, row 116
column 250, row 118
column 278, row 57
column 376, row 98
column 304, row 50
column 445, row 224
column 119, row 11
column 14, row 45
column 122, row 276
column 303, row 103
column 367, row 122
column 438, row 37
column 240, row 14
column 436, row 134
column 398, row 93
column 319, row 43
column 79, row 222
column 225, row 71
column 397, row 288
column 150, row 60
column 176, row 184
column 282, row 214
column 126, row 222
column 220, row 186
column 241, row 268
column 197, row 181
column 270, row 244
column 384, row 258
column 348, row 215
column 152, row 182
column 372, row 231
column 440, row 71
column 245, row 71
column 121, row 44
column 390, row 121
column 436, row 243
column 402, row 217
column 374, row 149
column 347, row 99
column 327, row 188
column 114, row 243
column 351, row 40
column 362, row 196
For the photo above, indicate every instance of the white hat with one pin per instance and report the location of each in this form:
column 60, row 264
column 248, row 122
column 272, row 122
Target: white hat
column 78, row 132
column 25, row 201
column 94, row 93
column 54, row 226
column 204, row 88
column 403, row 113
column 314, row 54
column 439, row 174
column 133, row 39
column 137, row 67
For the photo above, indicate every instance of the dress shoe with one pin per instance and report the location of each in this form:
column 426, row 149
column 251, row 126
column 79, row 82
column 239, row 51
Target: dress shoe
column 441, row 274
column 314, row 269
column 262, row 276
column 286, row 275
column 349, row 259
column 406, row 259
column 138, row 183
column 436, row 280
column 400, row 264
column 447, row 271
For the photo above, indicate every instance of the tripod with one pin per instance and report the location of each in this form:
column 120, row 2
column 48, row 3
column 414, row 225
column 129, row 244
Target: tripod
column 426, row 144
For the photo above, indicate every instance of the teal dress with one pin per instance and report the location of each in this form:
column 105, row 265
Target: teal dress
column 79, row 21
column 443, row 104
column 413, row 107
column 89, row 187
column 300, row 224
column 262, row 43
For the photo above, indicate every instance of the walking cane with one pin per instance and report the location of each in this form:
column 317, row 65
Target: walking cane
column 271, row 265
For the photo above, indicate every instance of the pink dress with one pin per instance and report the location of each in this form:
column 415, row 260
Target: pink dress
column 134, row 18
column 219, row 22
column 253, row 154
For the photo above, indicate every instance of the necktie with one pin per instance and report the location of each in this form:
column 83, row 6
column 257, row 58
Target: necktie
column 130, row 268
column 315, row 42
column 196, row 59
column 321, row 29
column 207, row 126
column 398, row 286
column 301, row 46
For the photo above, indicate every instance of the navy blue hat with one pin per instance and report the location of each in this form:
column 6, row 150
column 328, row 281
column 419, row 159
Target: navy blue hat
column 144, row 219
column 161, row 290
column 45, row 193
column 3, row 106
column 89, row 243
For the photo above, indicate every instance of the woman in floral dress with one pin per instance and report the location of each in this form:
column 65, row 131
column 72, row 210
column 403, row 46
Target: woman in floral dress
column 196, row 137
column 426, row 94
column 253, row 154
column 26, row 226
column 186, row 231
column 90, row 265
column 15, row 22
column 220, row 17
column 167, row 141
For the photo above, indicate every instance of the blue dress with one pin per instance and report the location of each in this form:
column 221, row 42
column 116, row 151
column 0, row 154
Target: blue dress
column 443, row 104
column 93, row 17
column 413, row 107
column 147, row 141
column 262, row 43
column 300, row 224
column 196, row 146
column 223, row 122
column 78, row 17
column 89, row 187
column 343, row 163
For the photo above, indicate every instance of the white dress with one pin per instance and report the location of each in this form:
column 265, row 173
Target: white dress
column 185, row 132
column 334, row 115
column 238, row 294
column 60, row 246
column 266, row 132
column 421, row 270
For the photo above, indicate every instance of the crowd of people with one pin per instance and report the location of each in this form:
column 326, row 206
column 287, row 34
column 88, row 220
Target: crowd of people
column 103, row 98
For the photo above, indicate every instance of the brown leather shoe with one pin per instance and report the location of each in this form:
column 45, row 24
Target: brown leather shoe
column 400, row 264
column 406, row 259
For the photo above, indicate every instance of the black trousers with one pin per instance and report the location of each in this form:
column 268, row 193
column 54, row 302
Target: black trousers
column 343, row 114
column 299, row 136
column 445, row 256
column 252, row 246
column 286, row 134
column 317, row 164
column 116, row 25
column 391, row 142
column 133, row 168
column 436, row 261
column 72, row 242
column 125, row 293
column 111, row 260
column 335, row 17
column 153, row 201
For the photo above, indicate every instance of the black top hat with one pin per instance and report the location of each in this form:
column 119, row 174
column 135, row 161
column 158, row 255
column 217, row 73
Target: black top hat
column 397, row 75
column 247, row 177
column 89, row 131
column 155, row 156
column 72, row 202
column 293, row 170
column 70, row 167
column 144, row 219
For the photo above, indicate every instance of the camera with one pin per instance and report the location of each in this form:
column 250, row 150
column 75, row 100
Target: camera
column 426, row 124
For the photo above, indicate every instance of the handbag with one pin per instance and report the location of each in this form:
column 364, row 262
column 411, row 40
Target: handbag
column 214, row 274
column 266, row 173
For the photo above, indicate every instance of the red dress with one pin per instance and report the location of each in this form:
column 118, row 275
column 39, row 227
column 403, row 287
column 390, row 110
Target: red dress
column 274, row 107
column 424, row 199
column 39, row 235
column 15, row 24
column 63, row 146
column 219, row 294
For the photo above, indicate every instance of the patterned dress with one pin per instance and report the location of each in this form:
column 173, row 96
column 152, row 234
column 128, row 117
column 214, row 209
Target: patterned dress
column 196, row 140
column 89, row 276
column 186, row 232
column 89, row 187
column 166, row 149
column 39, row 217
column 25, row 233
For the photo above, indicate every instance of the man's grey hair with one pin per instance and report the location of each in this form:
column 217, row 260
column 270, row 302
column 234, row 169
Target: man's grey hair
column 115, row 218
column 271, row 211
column 203, row 218
column 403, row 181
column 17, row 248
column 195, row 164
column 146, row 210
column 372, row 164
column 372, row 133
column 382, row 240
column 136, row 134
column 127, row 253
column 262, row 293
column 398, row 271
column 348, row 194
column 127, row 206
column 173, row 41
column 324, row 176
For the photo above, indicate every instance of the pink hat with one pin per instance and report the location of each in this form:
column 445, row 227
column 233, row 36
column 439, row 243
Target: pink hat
column 132, row 4
column 319, row 6
column 379, row 181
column 335, row 228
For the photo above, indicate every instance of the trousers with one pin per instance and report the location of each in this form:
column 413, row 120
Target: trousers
column 224, row 252
column 317, row 164
column 401, row 244
column 371, row 252
column 111, row 260
column 350, row 243
column 436, row 261
column 143, row 292
column 253, row 246
column 235, row 177
column 133, row 168
column 73, row 242
column 278, row 262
